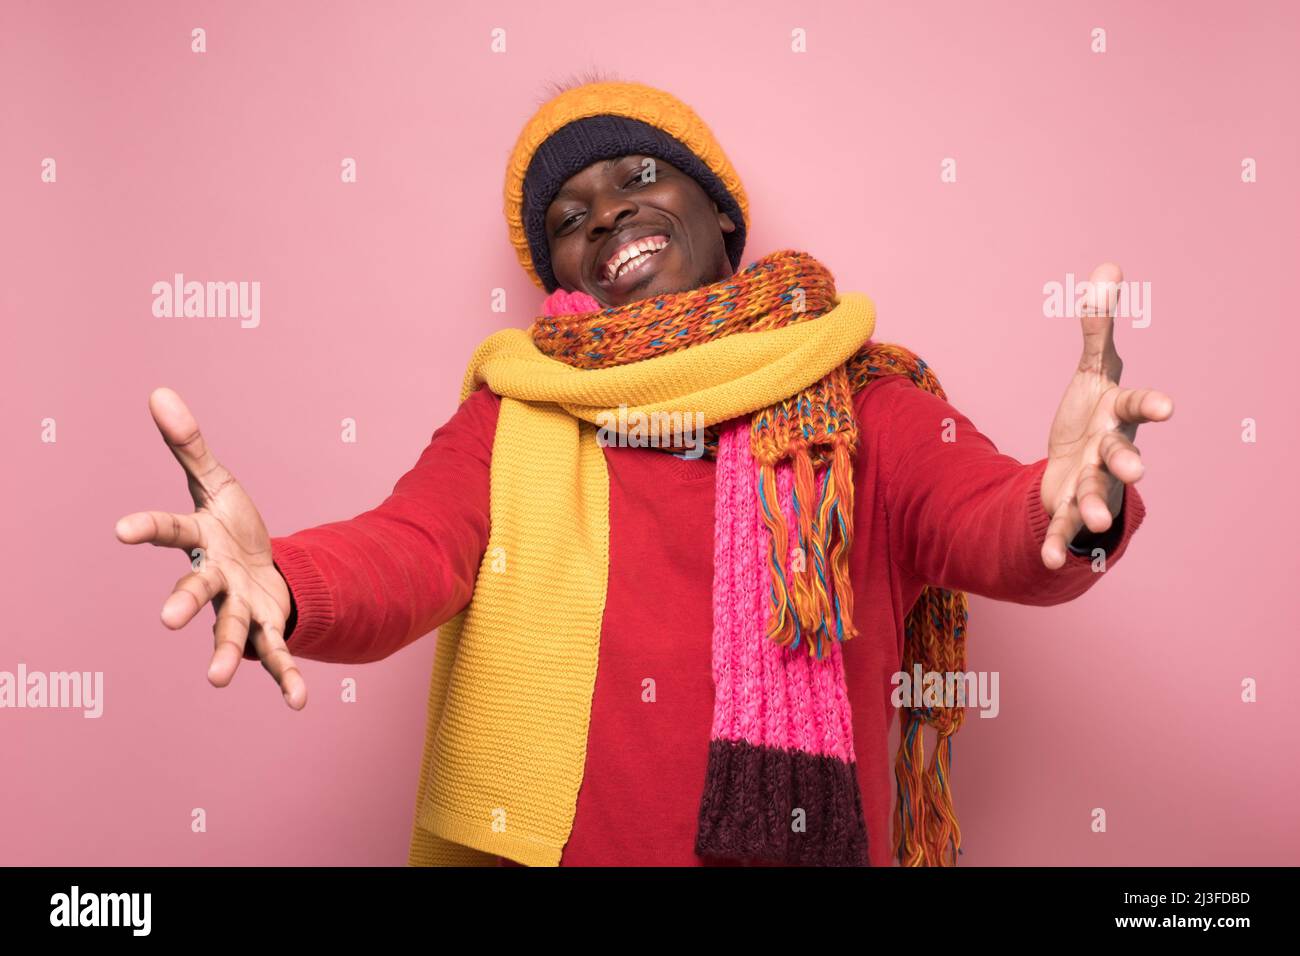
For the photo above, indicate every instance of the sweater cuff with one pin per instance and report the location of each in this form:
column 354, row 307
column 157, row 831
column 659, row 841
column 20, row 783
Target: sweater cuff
column 312, row 613
column 1086, row 541
column 1113, row 541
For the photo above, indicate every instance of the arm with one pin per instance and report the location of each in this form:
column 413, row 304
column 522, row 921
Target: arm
column 365, row 588
column 964, row 516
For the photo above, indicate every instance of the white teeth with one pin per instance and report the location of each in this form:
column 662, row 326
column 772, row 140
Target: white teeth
column 631, row 263
column 620, row 263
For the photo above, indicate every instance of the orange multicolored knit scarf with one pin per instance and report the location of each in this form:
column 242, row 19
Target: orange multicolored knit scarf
column 813, row 432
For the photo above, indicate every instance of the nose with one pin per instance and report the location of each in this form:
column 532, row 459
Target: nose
column 609, row 211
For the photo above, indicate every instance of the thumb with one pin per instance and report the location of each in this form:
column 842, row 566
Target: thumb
column 1097, row 320
column 180, row 431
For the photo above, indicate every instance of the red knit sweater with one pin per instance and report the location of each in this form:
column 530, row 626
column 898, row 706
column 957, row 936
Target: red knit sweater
column 957, row 514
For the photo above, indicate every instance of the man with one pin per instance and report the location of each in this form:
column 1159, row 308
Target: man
column 647, row 656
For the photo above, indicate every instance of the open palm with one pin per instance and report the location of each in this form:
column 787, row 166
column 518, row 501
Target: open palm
column 1090, row 450
column 231, row 558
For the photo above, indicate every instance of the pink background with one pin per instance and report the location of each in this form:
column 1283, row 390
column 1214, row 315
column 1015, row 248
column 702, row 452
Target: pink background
column 225, row 166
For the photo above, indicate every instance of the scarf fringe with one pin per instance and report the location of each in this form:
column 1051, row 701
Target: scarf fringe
column 813, row 595
column 783, row 626
column 926, row 832
column 838, row 516
column 810, row 597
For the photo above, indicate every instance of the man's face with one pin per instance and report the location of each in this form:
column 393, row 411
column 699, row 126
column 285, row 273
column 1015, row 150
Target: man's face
column 640, row 199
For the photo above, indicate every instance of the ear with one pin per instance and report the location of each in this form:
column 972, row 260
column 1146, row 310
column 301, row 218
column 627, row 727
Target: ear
column 724, row 221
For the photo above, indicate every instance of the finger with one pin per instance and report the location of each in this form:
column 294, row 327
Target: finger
column 160, row 528
column 1097, row 321
column 1065, row 524
column 190, row 594
column 1093, row 498
column 229, row 637
column 268, row 641
column 181, row 432
column 1133, row 406
column 1121, row 457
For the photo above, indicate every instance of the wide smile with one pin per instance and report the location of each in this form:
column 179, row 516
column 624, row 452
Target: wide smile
column 632, row 263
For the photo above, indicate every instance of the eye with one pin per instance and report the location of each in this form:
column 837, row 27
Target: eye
column 569, row 220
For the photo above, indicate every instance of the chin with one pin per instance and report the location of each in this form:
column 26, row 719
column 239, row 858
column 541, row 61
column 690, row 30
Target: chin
column 667, row 286
column 661, row 285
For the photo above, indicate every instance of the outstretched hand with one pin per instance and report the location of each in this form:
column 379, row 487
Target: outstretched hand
column 231, row 558
column 1090, row 450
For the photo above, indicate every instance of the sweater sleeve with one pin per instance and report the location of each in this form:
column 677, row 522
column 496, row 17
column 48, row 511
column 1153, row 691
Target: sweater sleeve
column 964, row 516
column 363, row 589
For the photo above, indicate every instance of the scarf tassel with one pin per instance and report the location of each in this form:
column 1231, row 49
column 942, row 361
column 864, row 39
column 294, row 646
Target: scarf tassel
column 837, row 516
column 926, row 832
column 783, row 626
column 810, row 591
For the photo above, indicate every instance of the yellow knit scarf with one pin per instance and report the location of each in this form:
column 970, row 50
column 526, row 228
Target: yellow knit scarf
column 513, row 675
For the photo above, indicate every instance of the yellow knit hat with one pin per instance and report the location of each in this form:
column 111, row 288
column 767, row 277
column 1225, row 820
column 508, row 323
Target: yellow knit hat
column 600, row 120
